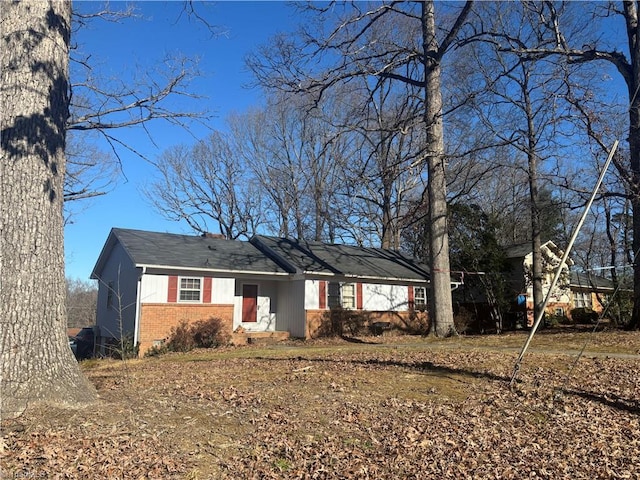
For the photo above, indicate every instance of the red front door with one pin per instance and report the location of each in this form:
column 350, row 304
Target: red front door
column 249, row 303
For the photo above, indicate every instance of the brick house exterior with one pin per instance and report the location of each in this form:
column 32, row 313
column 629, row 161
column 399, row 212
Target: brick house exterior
column 574, row 289
column 149, row 282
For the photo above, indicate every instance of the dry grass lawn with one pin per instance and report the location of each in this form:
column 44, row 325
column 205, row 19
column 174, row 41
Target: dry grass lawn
column 378, row 408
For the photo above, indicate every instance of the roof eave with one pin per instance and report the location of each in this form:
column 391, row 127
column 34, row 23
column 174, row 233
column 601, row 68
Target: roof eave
column 378, row 279
column 211, row 270
column 108, row 246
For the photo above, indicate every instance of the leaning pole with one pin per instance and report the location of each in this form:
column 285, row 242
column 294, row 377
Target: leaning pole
column 540, row 315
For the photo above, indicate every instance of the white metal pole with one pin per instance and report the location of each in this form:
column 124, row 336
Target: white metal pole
column 556, row 277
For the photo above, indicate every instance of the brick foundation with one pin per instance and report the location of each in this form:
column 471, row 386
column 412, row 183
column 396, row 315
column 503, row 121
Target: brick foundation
column 319, row 322
column 157, row 319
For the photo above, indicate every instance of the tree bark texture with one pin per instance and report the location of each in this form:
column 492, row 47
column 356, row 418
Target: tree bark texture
column 534, row 198
column 633, row 83
column 36, row 363
column 441, row 307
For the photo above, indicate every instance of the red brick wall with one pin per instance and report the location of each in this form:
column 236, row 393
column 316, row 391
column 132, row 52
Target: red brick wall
column 157, row 319
column 405, row 320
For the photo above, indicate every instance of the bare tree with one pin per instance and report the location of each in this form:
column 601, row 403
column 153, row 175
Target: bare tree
column 102, row 104
column 91, row 172
column 386, row 172
column 82, row 297
column 524, row 106
column 296, row 157
column 204, row 183
column 278, row 169
column 406, row 48
column 565, row 33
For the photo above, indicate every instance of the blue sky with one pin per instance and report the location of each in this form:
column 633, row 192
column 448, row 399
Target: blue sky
column 137, row 45
column 125, row 49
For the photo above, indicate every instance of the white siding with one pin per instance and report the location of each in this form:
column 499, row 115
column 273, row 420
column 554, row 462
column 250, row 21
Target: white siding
column 375, row 297
column 382, row 298
column 267, row 305
column 312, row 295
column 154, row 289
column 223, row 291
column 294, row 298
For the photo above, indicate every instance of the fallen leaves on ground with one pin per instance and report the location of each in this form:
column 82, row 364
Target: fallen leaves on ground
column 363, row 412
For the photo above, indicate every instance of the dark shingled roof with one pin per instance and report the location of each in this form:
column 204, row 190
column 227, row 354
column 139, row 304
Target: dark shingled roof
column 188, row 251
column 343, row 260
column 587, row 281
column 262, row 255
column 517, row 251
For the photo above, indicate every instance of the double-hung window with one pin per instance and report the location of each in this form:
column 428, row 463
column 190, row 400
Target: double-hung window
column 420, row 298
column 348, row 291
column 190, row 289
column 582, row 299
column 342, row 295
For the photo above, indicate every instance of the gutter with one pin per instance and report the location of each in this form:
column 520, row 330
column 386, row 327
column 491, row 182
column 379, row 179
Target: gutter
column 383, row 279
column 307, row 275
column 212, row 270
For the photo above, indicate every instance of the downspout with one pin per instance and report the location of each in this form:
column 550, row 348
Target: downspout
column 136, row 326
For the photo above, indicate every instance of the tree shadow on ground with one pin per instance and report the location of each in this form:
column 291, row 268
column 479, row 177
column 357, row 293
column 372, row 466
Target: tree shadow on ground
column 608, row 399
column 346, row 338
column 422, row 367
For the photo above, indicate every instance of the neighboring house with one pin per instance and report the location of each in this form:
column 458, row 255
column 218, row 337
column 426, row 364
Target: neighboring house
column 573, row 290
column 590, row 291
column 149, row 282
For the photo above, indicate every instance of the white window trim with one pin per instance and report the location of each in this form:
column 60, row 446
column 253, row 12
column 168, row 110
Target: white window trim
column 335, row 301
column 343, row 296
column 423, row 300
column 180, row 289
column 582, row 299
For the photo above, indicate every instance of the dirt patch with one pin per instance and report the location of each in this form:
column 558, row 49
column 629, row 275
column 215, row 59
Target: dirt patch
column 405, row 408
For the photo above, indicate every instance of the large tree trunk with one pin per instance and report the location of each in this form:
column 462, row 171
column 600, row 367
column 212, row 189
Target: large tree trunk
column 440, row 307
column 36, row 361
column 633, row 84
column 534, row 197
